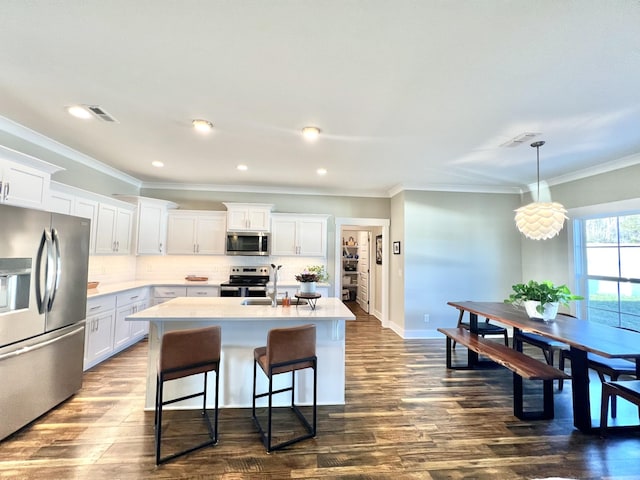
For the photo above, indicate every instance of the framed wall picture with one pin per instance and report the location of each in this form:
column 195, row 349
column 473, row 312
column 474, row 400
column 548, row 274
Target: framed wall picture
column 379, row 249
column 396, row 248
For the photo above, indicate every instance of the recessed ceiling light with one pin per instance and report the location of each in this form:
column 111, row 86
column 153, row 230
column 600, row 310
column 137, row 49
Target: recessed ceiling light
column 310, row 133
column 79, row 111
column 203, row 126
column 157, row 164
column 242, row 168
column 321, row 171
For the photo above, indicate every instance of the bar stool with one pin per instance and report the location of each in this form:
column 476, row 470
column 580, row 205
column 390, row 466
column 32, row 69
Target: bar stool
column 184, row 353
column 287, row 350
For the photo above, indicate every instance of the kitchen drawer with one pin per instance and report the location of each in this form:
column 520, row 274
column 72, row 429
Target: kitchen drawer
column 169, row 292
column 100, row 304
column 202, row 291
column 132, row 296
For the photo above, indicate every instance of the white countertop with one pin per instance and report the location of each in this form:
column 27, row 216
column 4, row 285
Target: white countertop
column 225, row 308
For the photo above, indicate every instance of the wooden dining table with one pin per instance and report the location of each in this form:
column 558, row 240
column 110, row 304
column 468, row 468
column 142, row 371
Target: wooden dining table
column 580, row 335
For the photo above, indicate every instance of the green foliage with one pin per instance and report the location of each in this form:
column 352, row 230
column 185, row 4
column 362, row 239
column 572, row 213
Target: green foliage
column 543, row 292
column 313, row 273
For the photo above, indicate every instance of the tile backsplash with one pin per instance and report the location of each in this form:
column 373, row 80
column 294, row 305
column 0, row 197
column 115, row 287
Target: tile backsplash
column 123, row 268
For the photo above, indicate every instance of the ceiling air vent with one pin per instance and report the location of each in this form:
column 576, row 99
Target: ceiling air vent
column 101, row 114
column 525, row 137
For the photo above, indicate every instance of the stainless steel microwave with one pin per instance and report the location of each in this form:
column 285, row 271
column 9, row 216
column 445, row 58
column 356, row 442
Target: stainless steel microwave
column 247, row 243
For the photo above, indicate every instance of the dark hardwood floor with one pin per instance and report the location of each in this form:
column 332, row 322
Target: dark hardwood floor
column 406, row 417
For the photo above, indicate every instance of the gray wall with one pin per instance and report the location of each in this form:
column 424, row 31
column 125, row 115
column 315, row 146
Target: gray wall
column 457, row 246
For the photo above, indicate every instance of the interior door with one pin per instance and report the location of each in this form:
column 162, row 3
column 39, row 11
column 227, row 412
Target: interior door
column 364, row 249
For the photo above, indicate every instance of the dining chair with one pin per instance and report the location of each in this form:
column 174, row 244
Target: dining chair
column 287, row 350
column 484, row 328
column 549, row 347
column 184, row 353
column 627, row 389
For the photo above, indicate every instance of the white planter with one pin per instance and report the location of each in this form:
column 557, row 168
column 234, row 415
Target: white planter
column 550, row 310
column 307, row 287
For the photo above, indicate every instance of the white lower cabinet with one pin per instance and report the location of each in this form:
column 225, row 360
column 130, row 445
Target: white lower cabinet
column 128, row 303
column 107, row 331
column 164, row 294
column 101, row 314
column 203, row 291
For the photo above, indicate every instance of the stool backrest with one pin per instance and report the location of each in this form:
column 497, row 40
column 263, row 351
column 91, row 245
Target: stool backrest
column 290, row 344
column 198, row 348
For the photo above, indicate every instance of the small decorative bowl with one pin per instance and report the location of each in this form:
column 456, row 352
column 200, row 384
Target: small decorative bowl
column 91, row 285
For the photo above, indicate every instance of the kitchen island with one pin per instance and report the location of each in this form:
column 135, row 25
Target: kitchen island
column 245, row 327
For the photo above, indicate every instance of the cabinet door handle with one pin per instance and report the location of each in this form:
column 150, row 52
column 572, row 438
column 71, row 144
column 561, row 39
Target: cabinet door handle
column 95, row 308
column 118, row 246
column 6, row 190
column 160, row 249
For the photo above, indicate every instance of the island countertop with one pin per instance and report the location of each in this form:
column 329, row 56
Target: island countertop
column 231, row 308
column 245, row 327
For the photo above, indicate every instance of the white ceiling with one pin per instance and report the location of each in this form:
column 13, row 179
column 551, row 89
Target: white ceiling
column 408, row 94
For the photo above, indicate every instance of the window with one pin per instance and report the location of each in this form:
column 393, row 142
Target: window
column 609, row 270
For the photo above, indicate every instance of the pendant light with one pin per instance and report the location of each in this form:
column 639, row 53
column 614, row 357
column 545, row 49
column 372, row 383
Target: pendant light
column 540, row 220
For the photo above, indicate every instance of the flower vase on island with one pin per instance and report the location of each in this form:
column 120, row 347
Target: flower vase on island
column 310, row 277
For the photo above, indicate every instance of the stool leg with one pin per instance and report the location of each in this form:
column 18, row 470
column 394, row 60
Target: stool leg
column 216, row 404
column 159, row 397
column 293, row 387
column 204, row 396
column 268, row 445
column 253, row 405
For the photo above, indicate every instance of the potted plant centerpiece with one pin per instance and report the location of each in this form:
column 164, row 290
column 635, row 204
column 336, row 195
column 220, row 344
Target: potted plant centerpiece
column 541, row 299
column 310, row 276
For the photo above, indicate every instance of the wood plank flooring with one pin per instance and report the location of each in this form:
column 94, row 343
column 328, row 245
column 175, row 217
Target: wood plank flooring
column 406, row 417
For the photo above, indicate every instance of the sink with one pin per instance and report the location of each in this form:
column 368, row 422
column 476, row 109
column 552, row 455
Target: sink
column 267, row 301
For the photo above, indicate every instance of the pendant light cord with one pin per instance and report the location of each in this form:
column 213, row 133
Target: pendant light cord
column 537, row 146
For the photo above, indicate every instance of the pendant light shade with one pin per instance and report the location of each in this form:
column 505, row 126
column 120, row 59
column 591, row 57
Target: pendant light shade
column 540, row 220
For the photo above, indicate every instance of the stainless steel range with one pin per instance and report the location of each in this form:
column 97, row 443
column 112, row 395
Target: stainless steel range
column 246, row 282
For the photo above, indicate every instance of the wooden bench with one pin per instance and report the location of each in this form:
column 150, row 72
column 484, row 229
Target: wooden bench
column 522, row 366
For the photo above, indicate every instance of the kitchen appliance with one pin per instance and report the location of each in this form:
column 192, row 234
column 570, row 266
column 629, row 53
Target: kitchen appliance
column 246, row 282
column 43, row 298
column 247, row 243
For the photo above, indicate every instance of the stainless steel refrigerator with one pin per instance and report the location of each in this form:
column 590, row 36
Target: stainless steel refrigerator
column 43, row 298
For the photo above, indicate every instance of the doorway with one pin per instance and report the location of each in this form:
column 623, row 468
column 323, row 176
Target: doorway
column 377, row 286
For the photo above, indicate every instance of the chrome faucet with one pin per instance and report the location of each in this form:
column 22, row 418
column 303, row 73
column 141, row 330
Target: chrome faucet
column 274, row 294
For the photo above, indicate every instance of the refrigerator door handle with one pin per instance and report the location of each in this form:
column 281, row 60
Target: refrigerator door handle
column 42, row 297
column 56, row 261
column 37, row 346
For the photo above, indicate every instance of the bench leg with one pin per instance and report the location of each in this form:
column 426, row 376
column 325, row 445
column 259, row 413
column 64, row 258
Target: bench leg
column 547, row 412
column 518, row 409
column 448, row 352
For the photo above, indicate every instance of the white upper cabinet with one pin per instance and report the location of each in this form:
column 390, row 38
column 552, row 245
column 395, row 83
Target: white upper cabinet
column 196, row 232
column 304, row 235
column 152, row 229
column 255, row 217
column 86, row 208
column 113, row 229
column 24, row 180
column 151, row 224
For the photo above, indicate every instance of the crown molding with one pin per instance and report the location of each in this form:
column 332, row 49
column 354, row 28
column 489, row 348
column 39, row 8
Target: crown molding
column 31, row 136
